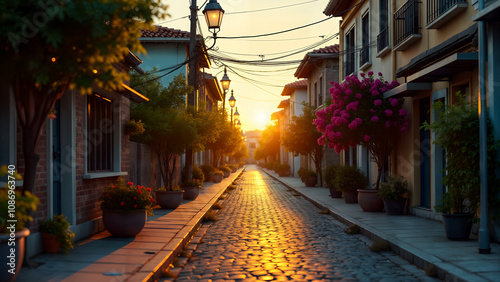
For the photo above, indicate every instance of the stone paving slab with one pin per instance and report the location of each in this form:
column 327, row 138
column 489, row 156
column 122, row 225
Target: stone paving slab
column 103, row 257
column 418, row 240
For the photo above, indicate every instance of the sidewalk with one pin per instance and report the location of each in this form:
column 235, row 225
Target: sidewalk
column 141, row 258
column 420, row 241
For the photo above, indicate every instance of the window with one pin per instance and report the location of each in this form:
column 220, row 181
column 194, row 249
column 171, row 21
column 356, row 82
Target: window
column 349, row 53
column 406, row 25
column 320, row 94
column 383, row 36
column 99, row 134
column 315, row 94
column 440, row 11
column 365, row 39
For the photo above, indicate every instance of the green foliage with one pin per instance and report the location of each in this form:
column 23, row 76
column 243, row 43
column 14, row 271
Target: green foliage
column 269, row 144
column 349, row 178
column 58, row 226
column 218, row 172
column 208, row 170
column 224, row 168
column 133, row 127
column 173, row 188
column 126, row 197
column 197, row 173
column 233, row 166
column 227, row 143
column 305, row 173
column 23, row 205
column 457, row 128
column 329, row 175
column 394, row 189
column 192, row 183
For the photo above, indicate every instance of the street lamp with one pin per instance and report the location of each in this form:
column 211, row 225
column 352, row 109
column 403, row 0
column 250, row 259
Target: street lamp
column 238, row 125
column 237, row 115
column 225, row 81
column 232, row 102
column 213, row 15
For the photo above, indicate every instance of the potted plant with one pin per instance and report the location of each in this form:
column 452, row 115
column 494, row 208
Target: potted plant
column 21, row 212
column 456, row 130
column 310, row 178
column 349, row 179
column 169, row 198
column 233, row 167
column 191, row 188
column 284, row 170
column 329, row 177
column 125, row 208
column 56, row 235
column 208, row 172
column 197, row 173
column 359, row 115
column 217, row 176
column 392, row 193
column 302, row 173
column 226, row 170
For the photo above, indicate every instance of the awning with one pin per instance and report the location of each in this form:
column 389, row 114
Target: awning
column 407, row 89
column 132, row 94
column 446, row 68
column 490, row 13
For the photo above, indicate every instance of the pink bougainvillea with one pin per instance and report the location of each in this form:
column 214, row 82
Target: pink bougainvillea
column 365, row 118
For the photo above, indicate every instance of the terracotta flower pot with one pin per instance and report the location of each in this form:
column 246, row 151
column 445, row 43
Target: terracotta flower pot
column 369, row 201
column 50, row 243
column 191, row 193
column 284, row 173
column 16, row 261
column 217, row 178
column 124, row 223
column 226, row 174
column 350, row 197
column 311, row 181
column 169, row 199
column 394, row 207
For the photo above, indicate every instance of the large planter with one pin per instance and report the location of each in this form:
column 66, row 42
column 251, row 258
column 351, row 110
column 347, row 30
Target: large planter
column 369, row 201
column 191, row 193
column 395, row 207
column 457, row 226
column 350, row 197
column 124, row 223
column 13, row 261
column 50, row 243
column 284, row 173
column 226, row 174
column 311, row 181
column 169, row 199
column 217, row 178
column 334, row 193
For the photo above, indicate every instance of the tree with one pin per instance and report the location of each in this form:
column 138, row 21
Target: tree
column 55, row 46
column 169, row 128
column 359, row 115
column 269, row 143
column 227, row 143
column 301, row 138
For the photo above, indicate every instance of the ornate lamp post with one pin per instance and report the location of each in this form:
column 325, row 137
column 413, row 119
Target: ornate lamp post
column 238, row 125
column 237, row 116
column 232, row 102
column 225, row 81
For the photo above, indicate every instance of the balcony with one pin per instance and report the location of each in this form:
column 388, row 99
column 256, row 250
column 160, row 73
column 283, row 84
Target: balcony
column 349, row 63
column 441, row 11
column 383, row 42
column 364, row 57
column 406, row 25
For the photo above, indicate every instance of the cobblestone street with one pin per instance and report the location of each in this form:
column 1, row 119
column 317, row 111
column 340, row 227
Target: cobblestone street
column 266, row 232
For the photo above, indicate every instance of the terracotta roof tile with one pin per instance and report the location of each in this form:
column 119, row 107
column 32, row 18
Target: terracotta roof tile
column 164, row 32
column 289, row 88
column 327, row 50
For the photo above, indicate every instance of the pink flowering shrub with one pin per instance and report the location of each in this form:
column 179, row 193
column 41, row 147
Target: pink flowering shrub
column 359, row 115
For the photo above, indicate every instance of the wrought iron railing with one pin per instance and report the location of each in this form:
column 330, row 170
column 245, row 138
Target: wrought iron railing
column 406, row 21
column 383, row 39
column 349, row 62
column 435, row 8
column 364, row 55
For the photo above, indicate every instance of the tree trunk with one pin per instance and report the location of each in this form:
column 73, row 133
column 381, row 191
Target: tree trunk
column 189, row 163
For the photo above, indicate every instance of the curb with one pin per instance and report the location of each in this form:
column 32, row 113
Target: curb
column 405, row 251
column 151, row 271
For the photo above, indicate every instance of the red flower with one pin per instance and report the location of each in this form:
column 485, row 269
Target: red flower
column 112, row 186
column 130, row 184
column 143, row 187
column 122, row 203
column 152, row 200
column 138, row 186
column 135, row 198
column 149, row 189
column 139, row 191
column 135, row 205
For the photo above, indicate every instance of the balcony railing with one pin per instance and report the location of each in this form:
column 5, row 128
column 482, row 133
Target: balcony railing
column 383, row 39
column 349, row 63
column 364, row 55
column 439, row 10
column 406, row 21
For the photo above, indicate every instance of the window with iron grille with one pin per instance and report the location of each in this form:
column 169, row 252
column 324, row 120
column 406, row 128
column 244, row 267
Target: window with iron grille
column 320, row 92
column 364, row 55
column 406, row 21
column 436, row 8
column 349, row 53
column 99, row 133
column 383, row 36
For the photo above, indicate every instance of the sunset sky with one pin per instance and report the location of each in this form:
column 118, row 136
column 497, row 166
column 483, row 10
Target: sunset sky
column 257, row 88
